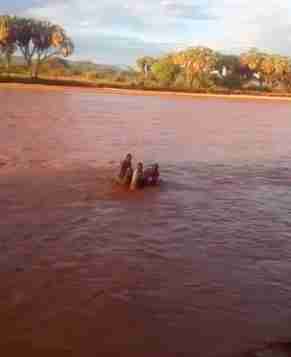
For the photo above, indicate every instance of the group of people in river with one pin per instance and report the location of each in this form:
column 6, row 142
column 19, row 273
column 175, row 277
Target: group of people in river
column 139, row 177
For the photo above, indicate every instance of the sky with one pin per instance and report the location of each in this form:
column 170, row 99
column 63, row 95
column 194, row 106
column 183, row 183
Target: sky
column 120, row 31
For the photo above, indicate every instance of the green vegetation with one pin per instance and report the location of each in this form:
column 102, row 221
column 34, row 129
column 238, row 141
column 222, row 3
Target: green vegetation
column 165, row 71
column 31, row 48
column 36, row 40
column 201, row 68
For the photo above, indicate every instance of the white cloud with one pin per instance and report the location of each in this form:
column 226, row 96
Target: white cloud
column 258, row 23
column 121, row 30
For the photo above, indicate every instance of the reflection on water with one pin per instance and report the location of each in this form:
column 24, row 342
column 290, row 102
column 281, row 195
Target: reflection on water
column 199, row 267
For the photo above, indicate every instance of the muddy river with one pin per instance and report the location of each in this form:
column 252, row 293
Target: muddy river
column 198, row 267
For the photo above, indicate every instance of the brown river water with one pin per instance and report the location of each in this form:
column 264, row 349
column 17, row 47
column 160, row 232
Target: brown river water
column 198, row 267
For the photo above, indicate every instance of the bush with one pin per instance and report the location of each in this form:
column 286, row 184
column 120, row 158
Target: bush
column 90, row 76
column 202, row 82
column 165, row 72
column 230, row 82
column 181, row 83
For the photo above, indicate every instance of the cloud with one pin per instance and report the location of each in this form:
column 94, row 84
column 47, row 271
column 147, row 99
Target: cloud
column 119, row 31
column 16, row 6
column 122, row 30
column 243, row 24
column 114, row 49
column 185, row 10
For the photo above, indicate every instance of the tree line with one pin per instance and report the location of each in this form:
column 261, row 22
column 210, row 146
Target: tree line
column 192, row 68
column 36, row 40
column 202, row 67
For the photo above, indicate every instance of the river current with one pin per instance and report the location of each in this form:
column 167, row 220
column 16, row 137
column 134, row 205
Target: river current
column 198, row 267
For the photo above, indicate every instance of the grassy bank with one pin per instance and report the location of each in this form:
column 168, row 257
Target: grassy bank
column 138, row 88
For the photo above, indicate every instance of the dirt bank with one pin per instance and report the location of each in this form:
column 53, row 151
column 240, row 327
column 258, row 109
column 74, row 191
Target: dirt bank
column 91, row 86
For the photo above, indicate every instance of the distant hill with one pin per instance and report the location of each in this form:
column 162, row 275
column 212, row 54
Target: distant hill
column 90, row 66
column 82, row 66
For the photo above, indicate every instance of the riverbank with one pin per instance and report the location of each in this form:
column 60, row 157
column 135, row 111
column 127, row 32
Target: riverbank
column 119, row 88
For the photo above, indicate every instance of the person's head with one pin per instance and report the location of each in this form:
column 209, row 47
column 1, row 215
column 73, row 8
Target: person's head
column 128, row 157
column 140, row 166
column 156, row 167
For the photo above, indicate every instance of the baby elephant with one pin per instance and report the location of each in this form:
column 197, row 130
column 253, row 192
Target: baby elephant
column 151, row 175
column 138, row 177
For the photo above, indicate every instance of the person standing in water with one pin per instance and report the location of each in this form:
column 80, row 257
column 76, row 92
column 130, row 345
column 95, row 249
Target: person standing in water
column 137, row 181
column 126, row 171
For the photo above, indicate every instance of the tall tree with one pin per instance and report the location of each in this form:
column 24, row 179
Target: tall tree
column 274, row 69
column 40, row 40
column 197, row 62
column 7, row 51
column 145, row 64
column 271, row 69
column 253, row 59
column 5, row 29
column 165, row 70
column 7, row 41
column 251, row 62
column 228, row 65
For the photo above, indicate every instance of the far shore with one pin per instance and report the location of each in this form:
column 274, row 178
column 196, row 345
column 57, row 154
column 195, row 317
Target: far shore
column 61, row 84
